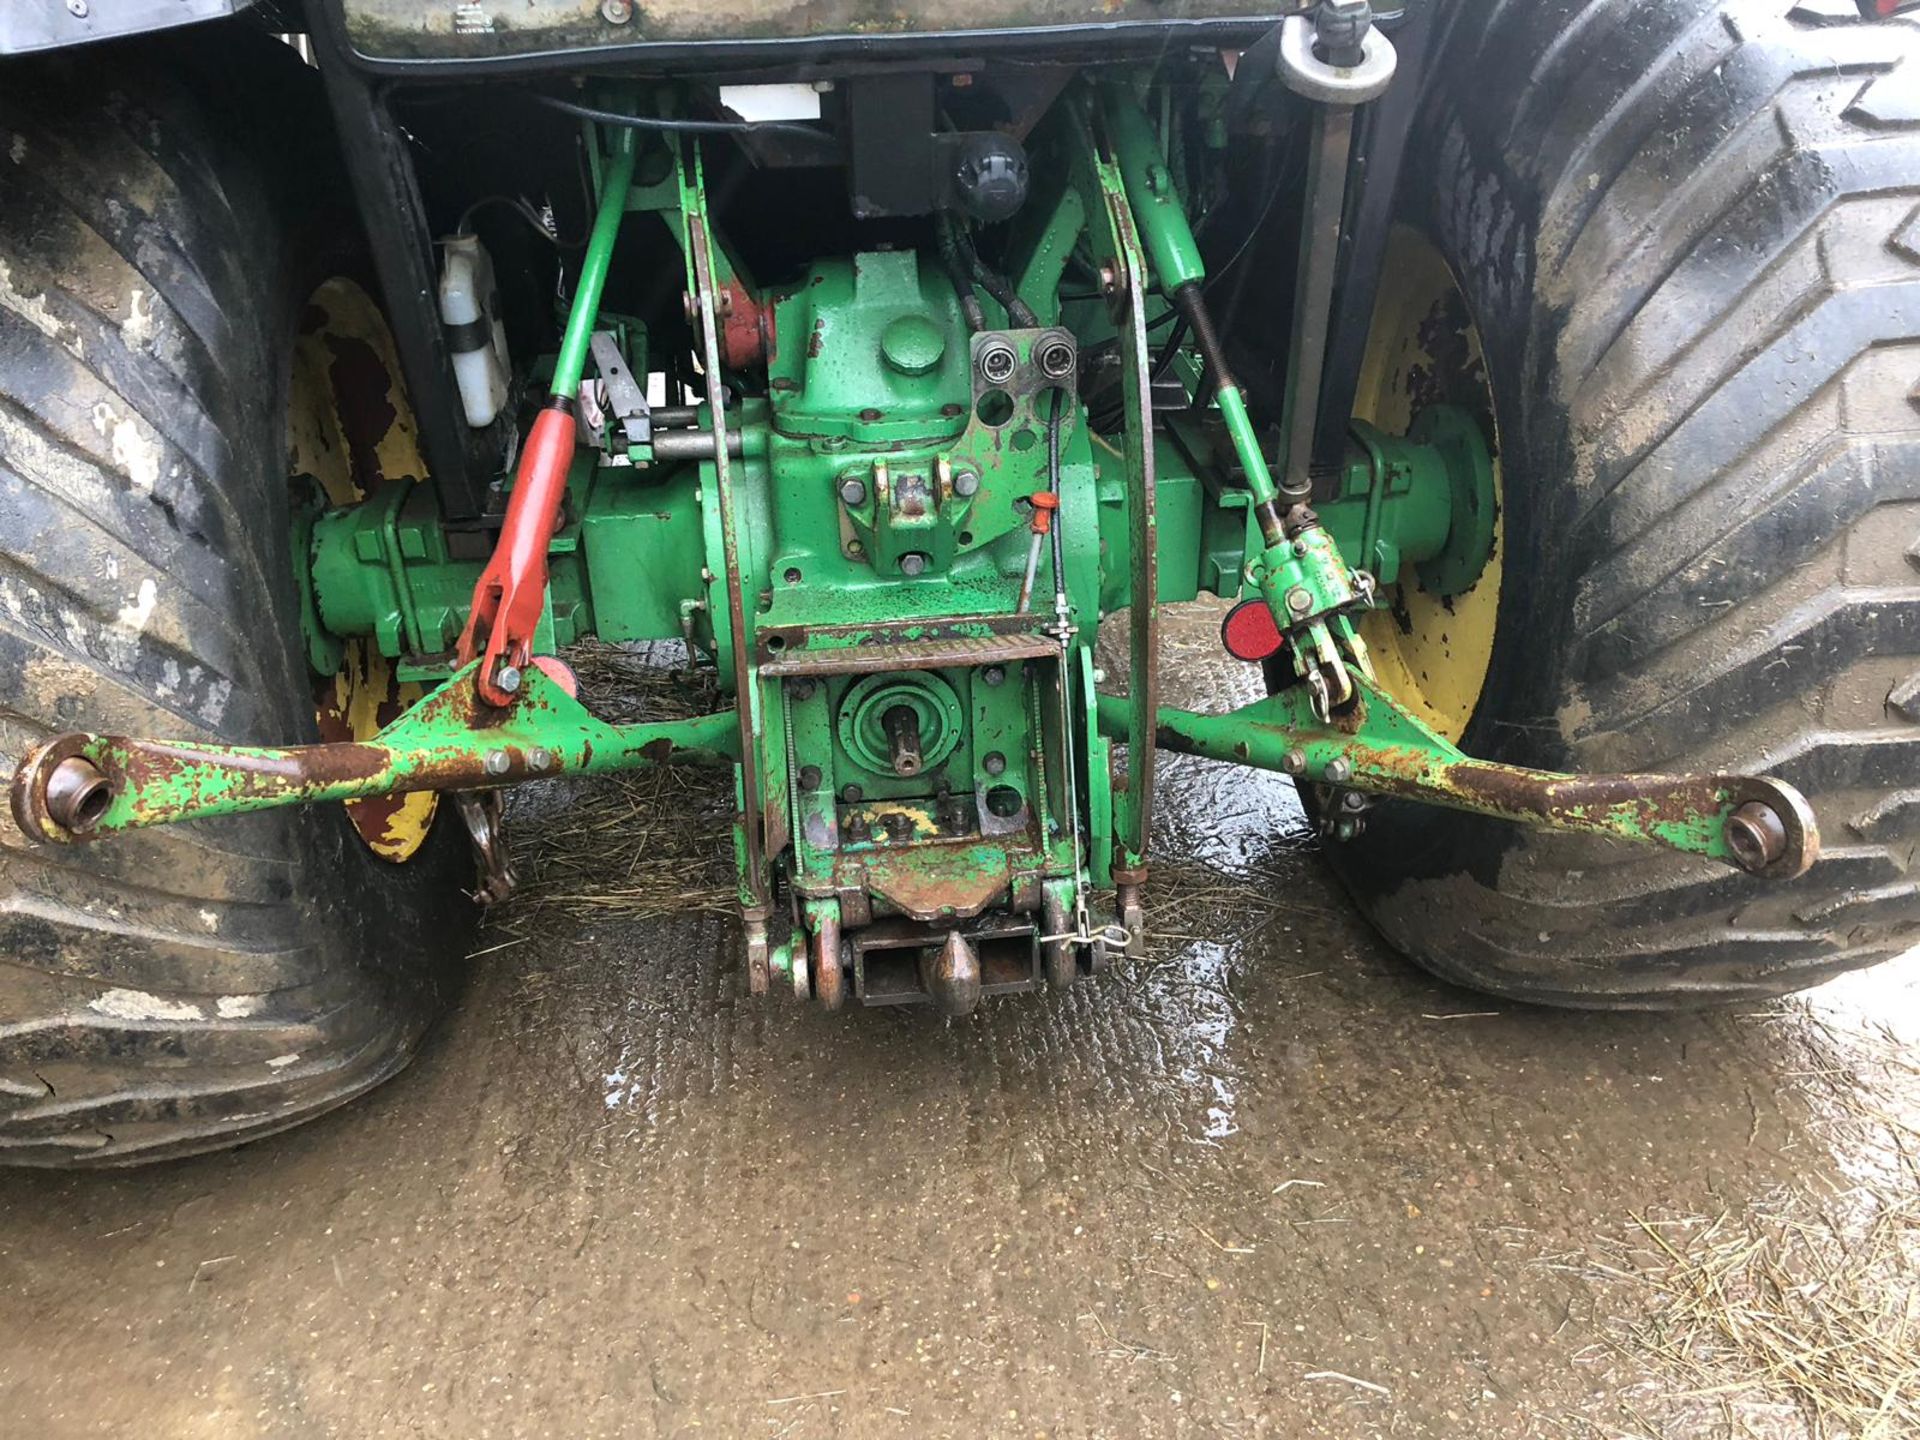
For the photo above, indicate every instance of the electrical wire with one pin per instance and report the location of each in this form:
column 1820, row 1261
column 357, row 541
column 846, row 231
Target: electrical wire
column 662, row 125
column 520, row 207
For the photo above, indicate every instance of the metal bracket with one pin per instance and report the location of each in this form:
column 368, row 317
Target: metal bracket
column 1751, row 822
column 625, row 400
column 80, row 787
column 1306, row 74
column 1125, row 283
column 703, row 285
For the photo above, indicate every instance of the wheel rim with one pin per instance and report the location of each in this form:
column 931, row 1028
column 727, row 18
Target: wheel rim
column 1431, row 653
column 352, row 431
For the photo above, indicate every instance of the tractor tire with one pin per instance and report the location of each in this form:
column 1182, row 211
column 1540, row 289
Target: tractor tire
column 162, row 219
column 1688, row 233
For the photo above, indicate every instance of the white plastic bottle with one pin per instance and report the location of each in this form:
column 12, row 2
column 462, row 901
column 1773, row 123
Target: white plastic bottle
column 470, row 309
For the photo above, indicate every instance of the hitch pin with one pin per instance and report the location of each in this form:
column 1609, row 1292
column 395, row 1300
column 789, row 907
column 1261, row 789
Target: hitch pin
column 1044, row 503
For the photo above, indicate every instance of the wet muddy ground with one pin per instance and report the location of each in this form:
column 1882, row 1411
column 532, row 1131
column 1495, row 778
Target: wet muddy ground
column 1273, row 1183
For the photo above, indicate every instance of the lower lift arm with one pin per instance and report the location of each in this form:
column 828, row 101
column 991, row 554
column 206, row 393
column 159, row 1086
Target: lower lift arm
column 1753, row 822
column 80, row 787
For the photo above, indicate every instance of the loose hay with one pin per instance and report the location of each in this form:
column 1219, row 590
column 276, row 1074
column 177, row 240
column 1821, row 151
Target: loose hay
column 1800, row 1314
column 635, row 846
column 656, row 843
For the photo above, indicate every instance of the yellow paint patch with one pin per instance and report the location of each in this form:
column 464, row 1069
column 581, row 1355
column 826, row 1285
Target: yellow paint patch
column 351, row 446
column 1431, row 654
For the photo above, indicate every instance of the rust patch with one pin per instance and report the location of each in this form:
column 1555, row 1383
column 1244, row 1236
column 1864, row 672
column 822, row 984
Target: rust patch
column 362, row 392
column 936, row 882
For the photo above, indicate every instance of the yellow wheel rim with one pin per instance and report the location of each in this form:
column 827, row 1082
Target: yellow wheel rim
column 1430, row 653
column 350, row 427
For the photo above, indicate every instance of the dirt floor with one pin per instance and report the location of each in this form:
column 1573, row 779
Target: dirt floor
column 1274, row 1183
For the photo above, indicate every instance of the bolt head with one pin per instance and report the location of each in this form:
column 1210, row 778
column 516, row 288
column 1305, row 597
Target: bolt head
column 1353, row 800
column 77, row 9
column 913, row 563
column 966, row 482
column 1294, row 762
column 1342, row 25
column 995, row 763
column 616, row 12
column 992, row 675
column 1339, row 770
column 498, row 762
column 1299, row 601
column 851, row 794
column 507, row 677
column 539, row 758
column 853, row 491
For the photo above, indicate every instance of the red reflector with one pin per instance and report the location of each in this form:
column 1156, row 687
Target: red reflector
column 1249, row 633
column 558, row 671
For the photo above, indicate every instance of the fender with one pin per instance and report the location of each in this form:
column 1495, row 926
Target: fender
column 27, row 26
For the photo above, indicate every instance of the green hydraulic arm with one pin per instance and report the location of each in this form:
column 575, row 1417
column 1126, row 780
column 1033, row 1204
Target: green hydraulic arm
column 81, row 787
column 1300, row 572
column 1755, row 823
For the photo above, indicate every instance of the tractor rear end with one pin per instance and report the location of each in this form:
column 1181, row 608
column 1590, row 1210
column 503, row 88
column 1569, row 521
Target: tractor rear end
column 880, row 376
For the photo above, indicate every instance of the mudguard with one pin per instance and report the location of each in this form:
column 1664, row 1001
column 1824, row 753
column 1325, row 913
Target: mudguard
column 31, row 25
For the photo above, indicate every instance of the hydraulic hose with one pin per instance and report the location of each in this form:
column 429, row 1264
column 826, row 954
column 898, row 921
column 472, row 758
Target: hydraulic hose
column 1019, row 314
column 956, row 264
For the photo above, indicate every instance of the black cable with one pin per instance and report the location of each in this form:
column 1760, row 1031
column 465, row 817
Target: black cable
column 660, row 125
column 520, row 207
column 957, row 272
column 1019, row 314
column 1170, row 351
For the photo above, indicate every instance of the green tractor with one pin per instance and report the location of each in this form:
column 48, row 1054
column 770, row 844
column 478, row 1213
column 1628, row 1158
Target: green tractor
column 1535, row 386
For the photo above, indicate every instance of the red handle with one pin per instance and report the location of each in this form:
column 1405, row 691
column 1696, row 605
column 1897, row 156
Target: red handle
column 513, row 588
column 1044, row 503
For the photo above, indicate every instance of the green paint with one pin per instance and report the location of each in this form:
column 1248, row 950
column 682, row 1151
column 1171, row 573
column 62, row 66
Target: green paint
column 881, row 499
column 572, row 360
column 1157, row 207
column 1391, row 752
column 912, row 344
column 435, row 745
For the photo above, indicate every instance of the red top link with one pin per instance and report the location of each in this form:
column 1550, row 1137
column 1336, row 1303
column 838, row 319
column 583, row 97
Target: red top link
column 513, row 588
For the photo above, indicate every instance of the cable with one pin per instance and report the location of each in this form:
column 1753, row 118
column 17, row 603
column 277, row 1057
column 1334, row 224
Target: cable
column 661, row 125
column 957, row 272
column 520, row 207
column 1170, row 351
column 1019, row 314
